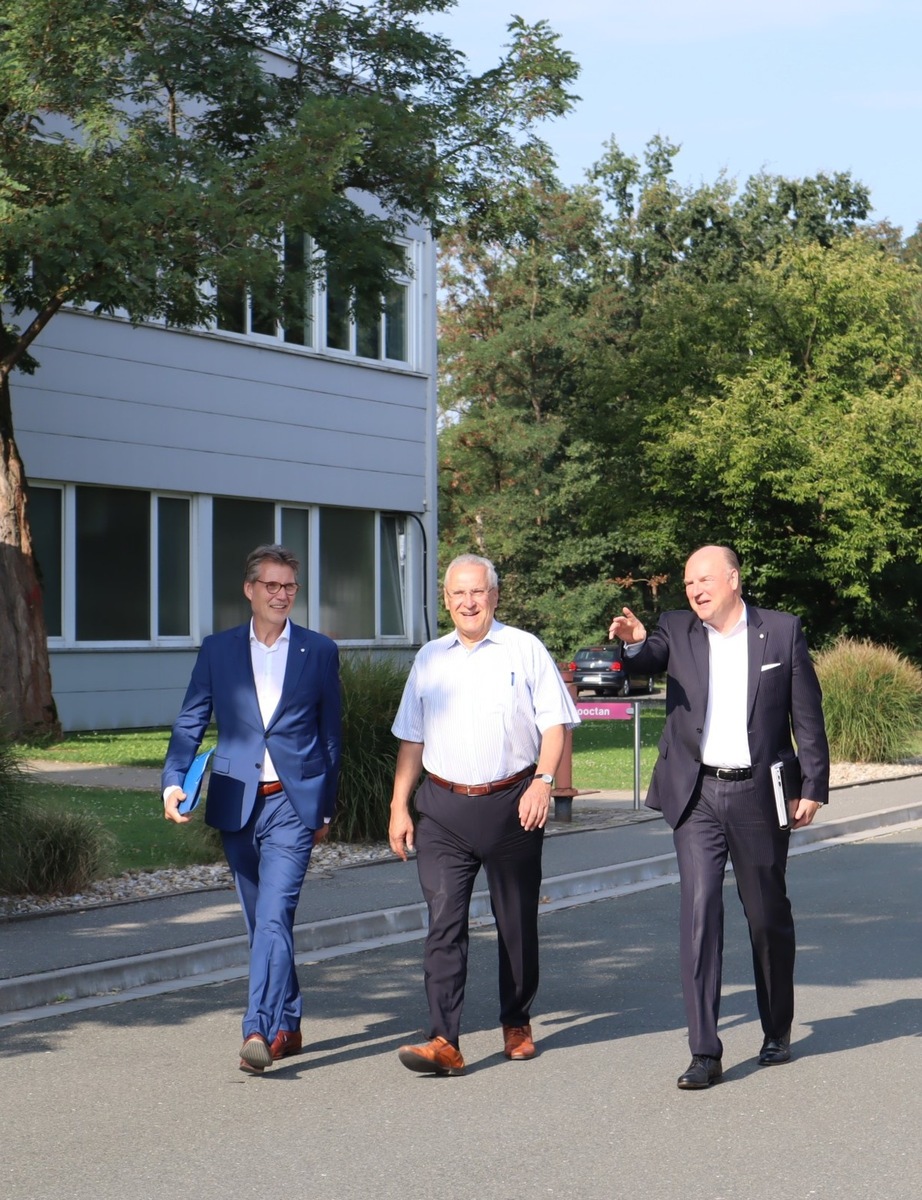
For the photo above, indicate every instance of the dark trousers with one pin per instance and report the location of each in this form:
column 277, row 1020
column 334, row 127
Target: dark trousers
column 455, row 835
column 724, row 819
column 268, row 858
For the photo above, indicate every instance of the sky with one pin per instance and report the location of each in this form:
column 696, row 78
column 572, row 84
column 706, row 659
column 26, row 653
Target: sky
column 793, row 87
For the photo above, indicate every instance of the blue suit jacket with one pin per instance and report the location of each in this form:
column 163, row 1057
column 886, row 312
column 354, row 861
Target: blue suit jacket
column 303, row 735
column 784, row 701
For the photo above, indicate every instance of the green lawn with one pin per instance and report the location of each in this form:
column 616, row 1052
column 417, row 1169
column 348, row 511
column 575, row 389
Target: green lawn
column 603, row 751
column 141, row 838
column 119, row 747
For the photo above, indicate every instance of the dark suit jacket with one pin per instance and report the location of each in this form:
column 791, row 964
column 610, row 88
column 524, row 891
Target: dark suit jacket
column 303, row 735
column 784, row 699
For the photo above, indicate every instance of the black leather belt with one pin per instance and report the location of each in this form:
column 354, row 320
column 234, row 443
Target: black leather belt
column 483, row 789
column 271, row 788
column 728, row 774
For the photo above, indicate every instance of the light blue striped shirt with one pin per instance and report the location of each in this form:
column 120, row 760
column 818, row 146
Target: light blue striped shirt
column 480, row 713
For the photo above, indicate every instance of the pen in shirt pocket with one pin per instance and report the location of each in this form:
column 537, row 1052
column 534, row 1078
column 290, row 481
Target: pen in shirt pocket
column 512, row 678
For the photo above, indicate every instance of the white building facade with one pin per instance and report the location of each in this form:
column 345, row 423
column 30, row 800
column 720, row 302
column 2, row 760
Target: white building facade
column 158, row 458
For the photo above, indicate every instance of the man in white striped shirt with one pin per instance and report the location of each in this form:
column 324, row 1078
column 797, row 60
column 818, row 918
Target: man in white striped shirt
column 484, row 712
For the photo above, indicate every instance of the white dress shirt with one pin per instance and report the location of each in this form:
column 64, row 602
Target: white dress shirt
column 725, row 740
column 269, row 663
column 480, row 713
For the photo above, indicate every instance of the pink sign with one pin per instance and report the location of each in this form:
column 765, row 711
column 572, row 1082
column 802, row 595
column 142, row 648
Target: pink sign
column 605, row 710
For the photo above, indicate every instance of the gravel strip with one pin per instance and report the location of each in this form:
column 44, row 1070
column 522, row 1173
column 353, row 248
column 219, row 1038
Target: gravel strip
column 329, row 857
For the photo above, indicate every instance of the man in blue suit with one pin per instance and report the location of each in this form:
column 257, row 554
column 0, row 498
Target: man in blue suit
column 740, row 692
column 274, row 690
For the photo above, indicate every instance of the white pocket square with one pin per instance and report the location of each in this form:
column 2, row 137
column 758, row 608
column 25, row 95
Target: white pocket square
column 770, row 666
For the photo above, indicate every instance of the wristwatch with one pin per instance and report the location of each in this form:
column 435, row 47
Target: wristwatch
column 546, row 779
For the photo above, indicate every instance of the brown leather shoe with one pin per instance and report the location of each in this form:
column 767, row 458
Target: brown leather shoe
column 518, row 1042
column 437, row 1057
column 255, row 1054
column 285, row 1043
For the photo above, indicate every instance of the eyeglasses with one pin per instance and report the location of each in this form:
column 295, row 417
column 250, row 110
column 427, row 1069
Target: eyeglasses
column 274, row 588
column 476, row 594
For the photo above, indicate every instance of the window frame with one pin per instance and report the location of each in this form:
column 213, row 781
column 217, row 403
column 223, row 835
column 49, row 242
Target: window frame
column 68, row 638
column 407, row 279
column 199, row 567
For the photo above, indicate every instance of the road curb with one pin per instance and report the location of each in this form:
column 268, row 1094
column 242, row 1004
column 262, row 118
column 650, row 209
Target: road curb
column 107, row 979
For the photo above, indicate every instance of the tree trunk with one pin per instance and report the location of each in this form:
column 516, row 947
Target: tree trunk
column 27, row 707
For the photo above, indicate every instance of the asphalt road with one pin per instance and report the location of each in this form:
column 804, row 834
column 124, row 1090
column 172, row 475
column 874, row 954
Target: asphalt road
column 143, row 1100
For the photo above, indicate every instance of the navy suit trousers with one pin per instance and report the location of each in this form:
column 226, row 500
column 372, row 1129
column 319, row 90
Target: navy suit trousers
column 727, row 818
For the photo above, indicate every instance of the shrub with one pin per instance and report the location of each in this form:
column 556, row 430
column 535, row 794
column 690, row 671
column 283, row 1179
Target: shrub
column 55, row 853
column 872, row 701
column 43, row 851
column 372, row 688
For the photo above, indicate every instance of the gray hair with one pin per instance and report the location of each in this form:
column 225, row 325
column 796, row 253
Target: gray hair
column 473, row 560
column 274, row 553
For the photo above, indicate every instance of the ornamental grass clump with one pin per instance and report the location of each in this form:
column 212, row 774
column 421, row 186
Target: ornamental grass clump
column 872, row 701
column 372, row 688
column 44, row 851
column 58, row 853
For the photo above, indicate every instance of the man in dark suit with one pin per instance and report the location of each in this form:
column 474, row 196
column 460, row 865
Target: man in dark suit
column 274, row 690
column 739, row 684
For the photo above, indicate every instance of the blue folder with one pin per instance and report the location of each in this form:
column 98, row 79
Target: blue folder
column 192, row 783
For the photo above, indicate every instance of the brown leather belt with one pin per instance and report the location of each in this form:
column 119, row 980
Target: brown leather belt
column 483, row 789
column 728, row 774
column 271, row 788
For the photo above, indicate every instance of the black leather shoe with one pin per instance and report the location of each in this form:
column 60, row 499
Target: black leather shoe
column 775, row 1050
column 702, row 1072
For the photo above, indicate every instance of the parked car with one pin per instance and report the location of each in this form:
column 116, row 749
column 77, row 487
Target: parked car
column 606, row 672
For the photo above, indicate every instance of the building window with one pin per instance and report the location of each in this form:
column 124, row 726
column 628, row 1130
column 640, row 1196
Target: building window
column 117, row 590
column 116, row 565
column 113, row 565
column 362, row 575
column 244, row 309
column 392, row 574
column 239, row 526
column 368, row 326
column 46, row 522
column 347, row 563
column 174, row 597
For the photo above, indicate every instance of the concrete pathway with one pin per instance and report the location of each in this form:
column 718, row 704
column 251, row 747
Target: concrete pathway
column 99, row 956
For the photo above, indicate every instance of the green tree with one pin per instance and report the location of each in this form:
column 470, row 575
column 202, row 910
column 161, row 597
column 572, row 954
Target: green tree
column 808, row 458
column 718, row 364
column 524, row 323
column 147, row 148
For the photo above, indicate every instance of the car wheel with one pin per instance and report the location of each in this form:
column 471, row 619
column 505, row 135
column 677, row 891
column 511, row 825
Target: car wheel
column 625, row 688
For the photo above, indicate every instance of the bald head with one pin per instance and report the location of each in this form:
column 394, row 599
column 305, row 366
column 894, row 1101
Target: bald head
column 713, row 588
